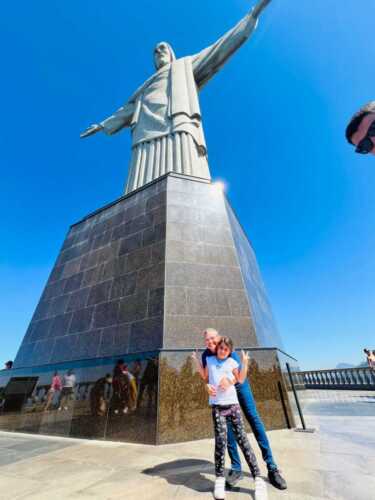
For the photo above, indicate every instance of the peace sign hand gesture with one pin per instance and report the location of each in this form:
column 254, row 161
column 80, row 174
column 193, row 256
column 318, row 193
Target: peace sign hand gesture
column 244, row 357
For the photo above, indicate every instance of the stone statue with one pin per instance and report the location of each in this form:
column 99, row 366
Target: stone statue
column 164, row 114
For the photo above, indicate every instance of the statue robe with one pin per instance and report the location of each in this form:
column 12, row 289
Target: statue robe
column 164, row 113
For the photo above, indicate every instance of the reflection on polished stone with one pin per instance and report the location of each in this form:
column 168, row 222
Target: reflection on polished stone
column 264, row 323
column 184, row 413
column 111, row 398
column 109, row 275
column 154, row 397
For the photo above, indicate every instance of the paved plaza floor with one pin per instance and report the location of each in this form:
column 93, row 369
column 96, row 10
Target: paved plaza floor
column 336, row 462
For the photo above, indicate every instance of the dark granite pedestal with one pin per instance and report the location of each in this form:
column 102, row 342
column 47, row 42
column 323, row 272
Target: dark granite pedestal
column 140, row 279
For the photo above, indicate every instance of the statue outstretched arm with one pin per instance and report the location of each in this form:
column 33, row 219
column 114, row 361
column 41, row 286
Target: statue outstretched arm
column 120, row 119
column 211, row 59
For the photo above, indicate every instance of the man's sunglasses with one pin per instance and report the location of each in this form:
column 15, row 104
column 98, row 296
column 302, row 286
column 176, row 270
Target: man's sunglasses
column 366, row 144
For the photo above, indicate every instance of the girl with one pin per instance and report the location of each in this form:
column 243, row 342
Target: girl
column 222, row 372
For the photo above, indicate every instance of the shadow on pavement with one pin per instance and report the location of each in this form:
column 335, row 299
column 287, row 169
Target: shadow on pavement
column 189, row 473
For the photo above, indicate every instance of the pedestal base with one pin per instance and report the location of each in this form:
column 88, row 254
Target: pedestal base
column 141, row 279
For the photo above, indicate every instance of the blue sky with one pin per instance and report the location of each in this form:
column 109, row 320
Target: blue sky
column 274, row 121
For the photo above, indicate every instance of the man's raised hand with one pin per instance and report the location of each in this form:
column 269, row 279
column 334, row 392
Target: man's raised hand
column 194, row 356
column 260, row 6
column 93, row 129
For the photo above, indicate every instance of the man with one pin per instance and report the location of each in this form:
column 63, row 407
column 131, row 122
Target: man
column 361, row 129
column 121, row 389
column 248, row 406
column 148, row 383
column 370, row 358
column 67, row 392
column 164, row 113
column 99, row 396
column 133, row 389
column 8, row 365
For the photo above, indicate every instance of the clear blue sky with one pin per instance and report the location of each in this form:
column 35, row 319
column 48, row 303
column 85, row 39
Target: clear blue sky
column 274, row 122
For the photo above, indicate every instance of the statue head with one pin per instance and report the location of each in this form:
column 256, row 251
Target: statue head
column 361, row 129
column 163, row 54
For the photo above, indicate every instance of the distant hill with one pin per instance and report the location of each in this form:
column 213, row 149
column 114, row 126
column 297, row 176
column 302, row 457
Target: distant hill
column 363, row 364
column 349, row 365
column 345, row 365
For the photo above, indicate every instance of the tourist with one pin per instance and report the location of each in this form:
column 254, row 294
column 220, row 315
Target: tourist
column 99, row 396
column 222, row 372
column 136, row 371
column 121, row 389
column 56, row 387
column 361, row 129
column 370, row 358
column 67, row 392
column 247, row 403
column 133, row 389
column 8, row 365
column 149, row 383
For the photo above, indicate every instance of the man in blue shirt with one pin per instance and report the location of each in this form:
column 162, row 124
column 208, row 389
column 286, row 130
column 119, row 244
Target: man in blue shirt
column 248, row 406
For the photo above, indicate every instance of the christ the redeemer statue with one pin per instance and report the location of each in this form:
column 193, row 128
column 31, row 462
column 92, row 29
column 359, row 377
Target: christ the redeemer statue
column 164, row 114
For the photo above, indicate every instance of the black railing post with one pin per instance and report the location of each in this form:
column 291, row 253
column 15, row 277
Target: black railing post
column 304, row 429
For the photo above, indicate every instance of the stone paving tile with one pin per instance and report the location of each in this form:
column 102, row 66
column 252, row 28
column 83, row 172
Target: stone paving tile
column 344, row 486
column 14, row 488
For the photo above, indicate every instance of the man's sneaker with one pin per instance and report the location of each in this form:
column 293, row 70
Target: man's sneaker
column 276, row 479
column 260, row 489
column 233, row 477
column 219, row 491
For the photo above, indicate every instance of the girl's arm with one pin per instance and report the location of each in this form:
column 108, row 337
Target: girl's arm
column 241, row 375
column 202, row 371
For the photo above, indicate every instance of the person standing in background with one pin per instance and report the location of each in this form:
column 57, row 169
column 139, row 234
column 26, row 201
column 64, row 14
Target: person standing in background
column 56, row 387
column 67, row 393
column 370, row 358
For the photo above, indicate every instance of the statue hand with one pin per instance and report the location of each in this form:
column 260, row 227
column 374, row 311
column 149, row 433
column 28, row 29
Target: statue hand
column 93, row 129
column 260, row 6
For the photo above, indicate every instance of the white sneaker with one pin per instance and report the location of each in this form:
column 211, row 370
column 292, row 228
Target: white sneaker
column 219, row 491
column 260, row 489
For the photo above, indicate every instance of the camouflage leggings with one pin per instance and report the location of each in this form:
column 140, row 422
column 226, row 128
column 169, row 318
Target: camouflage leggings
column 222, row 415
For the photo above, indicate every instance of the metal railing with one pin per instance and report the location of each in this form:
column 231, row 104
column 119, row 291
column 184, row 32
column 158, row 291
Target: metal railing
column 340, row 378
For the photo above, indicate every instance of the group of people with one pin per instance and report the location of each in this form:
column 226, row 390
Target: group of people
column 120, row 392
column 123, row 391
column 370, row 358
column 225, row 375
column 62, row 389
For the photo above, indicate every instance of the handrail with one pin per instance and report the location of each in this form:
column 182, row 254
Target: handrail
column 359, row 378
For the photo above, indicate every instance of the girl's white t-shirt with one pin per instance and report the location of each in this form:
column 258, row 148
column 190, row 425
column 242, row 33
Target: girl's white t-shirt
column 217, row 370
